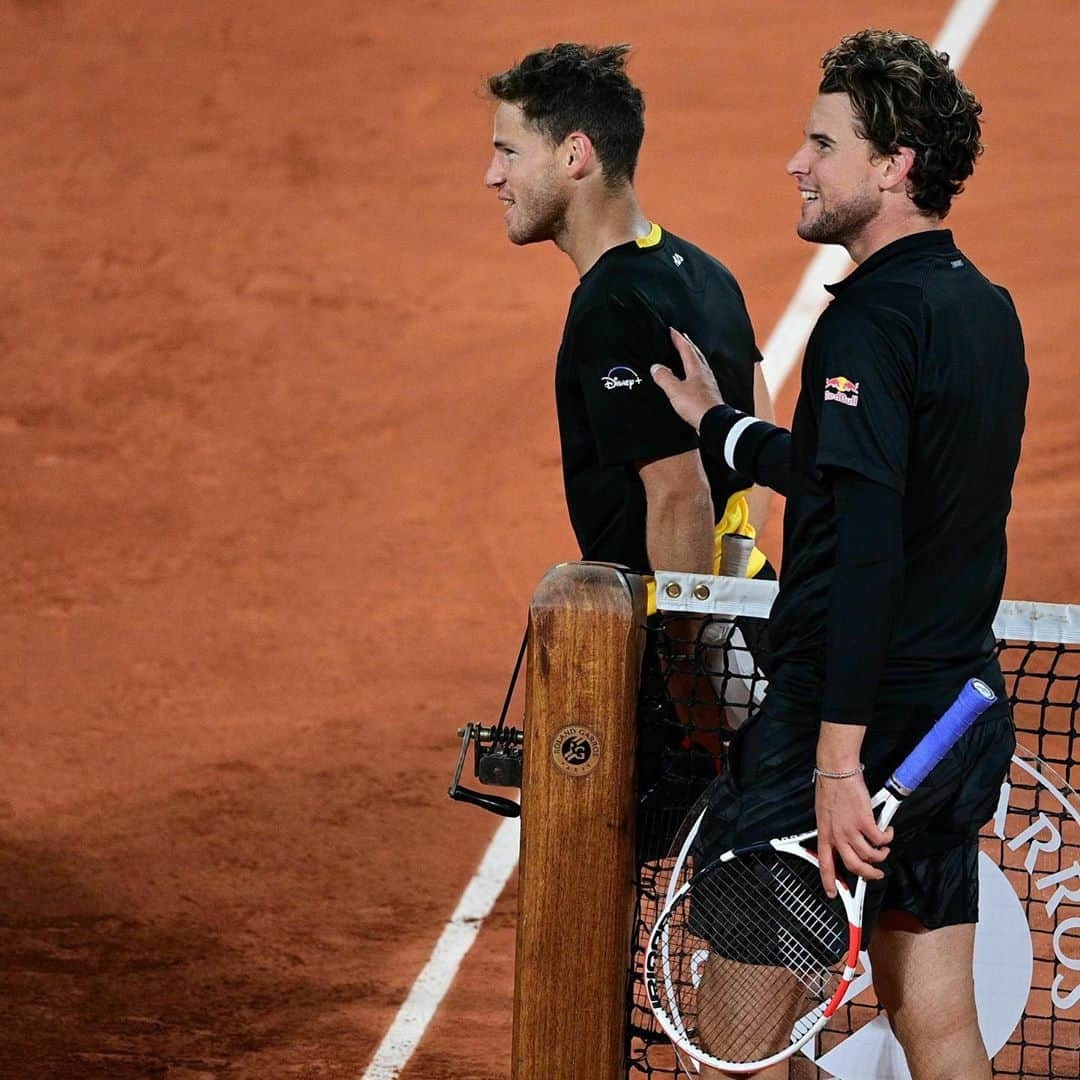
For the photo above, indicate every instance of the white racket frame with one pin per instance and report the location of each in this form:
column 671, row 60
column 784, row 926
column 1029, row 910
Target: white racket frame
column 808, row 1025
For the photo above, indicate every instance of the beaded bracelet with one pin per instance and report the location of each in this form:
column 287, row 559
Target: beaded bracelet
column 838, row 775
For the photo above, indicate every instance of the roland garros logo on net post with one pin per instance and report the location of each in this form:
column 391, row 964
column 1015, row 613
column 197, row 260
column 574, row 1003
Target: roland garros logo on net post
column 1004, row 944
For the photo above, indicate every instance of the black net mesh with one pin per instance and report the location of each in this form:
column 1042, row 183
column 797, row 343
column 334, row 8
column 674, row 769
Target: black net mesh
column 699, row 682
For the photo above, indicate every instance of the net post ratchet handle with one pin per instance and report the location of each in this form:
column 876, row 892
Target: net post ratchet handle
column 972, row 701
column 495, row 804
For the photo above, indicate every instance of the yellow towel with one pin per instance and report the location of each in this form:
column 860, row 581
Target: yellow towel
column 735, row 519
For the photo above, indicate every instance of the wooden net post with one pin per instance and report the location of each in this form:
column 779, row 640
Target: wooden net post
column 576, row 884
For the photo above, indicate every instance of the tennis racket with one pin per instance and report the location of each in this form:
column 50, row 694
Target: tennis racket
column 749, row 958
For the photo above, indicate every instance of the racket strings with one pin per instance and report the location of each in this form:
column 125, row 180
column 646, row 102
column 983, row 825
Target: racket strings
column 770, row 910
column 745, row 996
column 747, row 953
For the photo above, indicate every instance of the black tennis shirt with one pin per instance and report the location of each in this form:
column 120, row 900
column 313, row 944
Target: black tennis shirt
column 914, row 379
column 611, row 413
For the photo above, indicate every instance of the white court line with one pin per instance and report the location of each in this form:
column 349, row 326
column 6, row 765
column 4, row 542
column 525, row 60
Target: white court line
column 785, row 345
column 962, row 26
column 432, row 983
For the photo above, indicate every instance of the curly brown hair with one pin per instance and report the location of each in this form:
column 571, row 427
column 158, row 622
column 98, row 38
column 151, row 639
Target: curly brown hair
column 573, row 87
column 904, row 93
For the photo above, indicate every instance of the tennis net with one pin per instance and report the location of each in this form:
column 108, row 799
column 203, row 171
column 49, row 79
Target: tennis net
column 703, row 676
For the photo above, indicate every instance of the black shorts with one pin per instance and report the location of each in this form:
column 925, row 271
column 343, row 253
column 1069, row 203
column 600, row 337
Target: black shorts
column 932, row 869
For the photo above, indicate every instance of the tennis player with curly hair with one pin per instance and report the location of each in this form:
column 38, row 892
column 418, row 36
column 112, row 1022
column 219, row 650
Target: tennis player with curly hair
column 898, row 474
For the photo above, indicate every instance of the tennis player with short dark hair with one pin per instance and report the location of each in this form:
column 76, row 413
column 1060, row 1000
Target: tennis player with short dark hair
column 568, row 129
column 898, row 473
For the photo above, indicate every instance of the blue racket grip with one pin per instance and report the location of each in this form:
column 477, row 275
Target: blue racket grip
column 975, row 698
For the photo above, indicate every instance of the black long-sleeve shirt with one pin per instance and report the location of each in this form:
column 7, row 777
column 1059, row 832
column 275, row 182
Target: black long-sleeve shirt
column 898, row 473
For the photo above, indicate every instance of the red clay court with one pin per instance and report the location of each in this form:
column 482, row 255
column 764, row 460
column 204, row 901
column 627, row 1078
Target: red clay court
column 281, row 473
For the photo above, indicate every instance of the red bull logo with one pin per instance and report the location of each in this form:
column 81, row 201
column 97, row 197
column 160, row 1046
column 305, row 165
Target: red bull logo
column 842, row 389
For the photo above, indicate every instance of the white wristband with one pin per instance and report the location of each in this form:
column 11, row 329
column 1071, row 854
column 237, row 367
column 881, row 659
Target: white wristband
column 733, row 437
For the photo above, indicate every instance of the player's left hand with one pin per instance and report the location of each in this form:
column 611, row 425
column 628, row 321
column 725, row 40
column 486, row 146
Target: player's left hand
column 846, row 826
column 695, row 395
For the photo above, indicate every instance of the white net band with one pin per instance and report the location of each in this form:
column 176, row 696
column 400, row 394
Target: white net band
column 703, row 594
